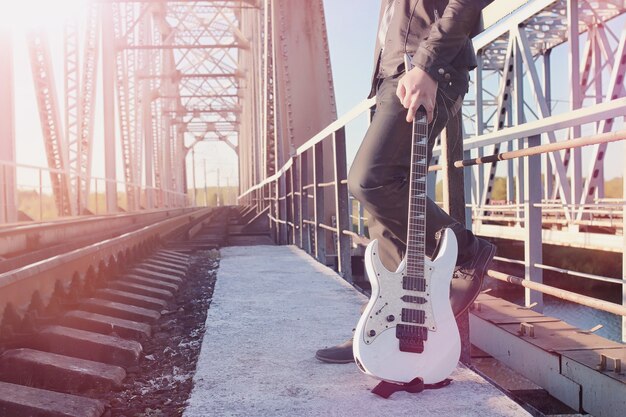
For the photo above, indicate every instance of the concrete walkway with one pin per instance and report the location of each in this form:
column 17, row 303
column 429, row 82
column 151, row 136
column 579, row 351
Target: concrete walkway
column 273, row 306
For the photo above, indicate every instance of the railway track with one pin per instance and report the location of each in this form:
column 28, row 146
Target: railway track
column 26, row 243
column 72, row 325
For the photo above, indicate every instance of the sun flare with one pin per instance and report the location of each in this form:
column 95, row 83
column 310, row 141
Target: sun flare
column 47, row 14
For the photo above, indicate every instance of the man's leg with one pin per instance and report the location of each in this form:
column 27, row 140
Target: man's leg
column 379, row 178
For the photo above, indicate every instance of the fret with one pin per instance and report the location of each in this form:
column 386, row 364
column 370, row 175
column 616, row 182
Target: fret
column 416, row 230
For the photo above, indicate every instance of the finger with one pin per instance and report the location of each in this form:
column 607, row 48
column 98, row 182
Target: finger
column 430, row 110
column 410, row 115
column 408, row 100
column 401, row 91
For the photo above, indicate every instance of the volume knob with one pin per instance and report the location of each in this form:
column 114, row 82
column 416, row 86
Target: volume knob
column 391, row 318
column 372, row 333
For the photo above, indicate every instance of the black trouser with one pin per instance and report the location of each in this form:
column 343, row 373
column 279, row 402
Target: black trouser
column 379, row 176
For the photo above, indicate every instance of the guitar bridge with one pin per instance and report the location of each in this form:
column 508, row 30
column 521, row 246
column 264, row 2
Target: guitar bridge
column 411, row 345
column 411, row 338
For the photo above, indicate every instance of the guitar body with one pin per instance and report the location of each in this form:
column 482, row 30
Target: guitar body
column 376, row 343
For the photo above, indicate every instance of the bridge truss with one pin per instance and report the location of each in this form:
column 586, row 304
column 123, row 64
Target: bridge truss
column 515, row 54
column 170, row 76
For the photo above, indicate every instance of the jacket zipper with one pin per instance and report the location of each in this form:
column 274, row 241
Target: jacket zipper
column 436, row 14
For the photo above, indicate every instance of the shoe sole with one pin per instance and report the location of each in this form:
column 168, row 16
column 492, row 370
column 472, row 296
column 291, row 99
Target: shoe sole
column 492, row 253
column 327, row 360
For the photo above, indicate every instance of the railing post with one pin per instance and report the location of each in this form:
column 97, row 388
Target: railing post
column 288, row 199
column 519, row 119
column 318, row 192
column 624, row 249
column 454, row 202
column 271, row 190
column 281, row 209
column 361, row 219
column 532, row 224
column 296, row 199
column 342, row 206
column 305, row 233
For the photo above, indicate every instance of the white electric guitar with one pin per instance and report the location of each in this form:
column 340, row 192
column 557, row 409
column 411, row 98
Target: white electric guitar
column 408, row 330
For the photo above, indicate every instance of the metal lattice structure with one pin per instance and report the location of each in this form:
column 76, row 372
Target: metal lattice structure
column 50, row 117
column 516, row 51
column 171, row 73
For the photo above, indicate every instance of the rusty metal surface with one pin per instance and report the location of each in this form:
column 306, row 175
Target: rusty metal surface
column 558, row 336
column 28, row 236
column 591, row 359
column 499, row 311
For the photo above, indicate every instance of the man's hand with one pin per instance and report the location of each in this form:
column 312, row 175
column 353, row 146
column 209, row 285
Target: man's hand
column 416, row 88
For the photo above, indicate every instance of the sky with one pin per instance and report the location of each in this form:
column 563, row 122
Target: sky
column 351, row 26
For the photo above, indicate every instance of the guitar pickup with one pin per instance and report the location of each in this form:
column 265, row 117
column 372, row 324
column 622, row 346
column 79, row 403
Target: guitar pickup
column 413, row 299
column 414, row 284
column 410, row 315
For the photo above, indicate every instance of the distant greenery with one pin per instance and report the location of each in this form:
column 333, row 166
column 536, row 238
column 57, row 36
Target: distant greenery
column 43, row 207
column 228, row 196
column 30, row 203
column 614, row 188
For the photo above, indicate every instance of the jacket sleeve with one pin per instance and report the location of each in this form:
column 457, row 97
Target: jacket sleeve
column 448, row 35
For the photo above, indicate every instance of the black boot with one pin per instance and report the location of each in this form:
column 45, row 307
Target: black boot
column 468, row 277
column 337, row 354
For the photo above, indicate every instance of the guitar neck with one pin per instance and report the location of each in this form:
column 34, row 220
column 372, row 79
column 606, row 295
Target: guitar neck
column 417, row 197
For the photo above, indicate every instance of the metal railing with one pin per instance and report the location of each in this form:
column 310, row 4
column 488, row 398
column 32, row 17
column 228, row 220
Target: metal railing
column 294, row 198
column 34, row 193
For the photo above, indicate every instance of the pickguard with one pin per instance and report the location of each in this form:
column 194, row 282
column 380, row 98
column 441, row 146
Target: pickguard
column 386, row 313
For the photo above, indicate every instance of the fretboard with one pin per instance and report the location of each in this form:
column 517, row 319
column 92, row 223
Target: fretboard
column 417, row 198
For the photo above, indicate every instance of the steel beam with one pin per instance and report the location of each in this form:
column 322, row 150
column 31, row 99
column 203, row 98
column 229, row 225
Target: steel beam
column 108, row 91
column 575, row 94
column 533, row 245
column 72, row 111
column 50, row 118
column 8, row 179
column 181, row 47
column 87, row 106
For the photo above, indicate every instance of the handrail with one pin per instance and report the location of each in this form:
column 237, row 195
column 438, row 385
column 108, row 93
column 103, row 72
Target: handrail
column 560, row 293
column 549, row 147
column 336, row 125
column 595, row 113
column 324, row 133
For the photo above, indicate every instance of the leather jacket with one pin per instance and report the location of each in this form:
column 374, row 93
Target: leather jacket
column 436, row 34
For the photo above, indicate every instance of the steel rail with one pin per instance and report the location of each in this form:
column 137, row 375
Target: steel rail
column 29, row 236
column 319, row 137
column 562, row 270
column 541, row 149
column 18, row 286
column 595, row 113
column 560, row 293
